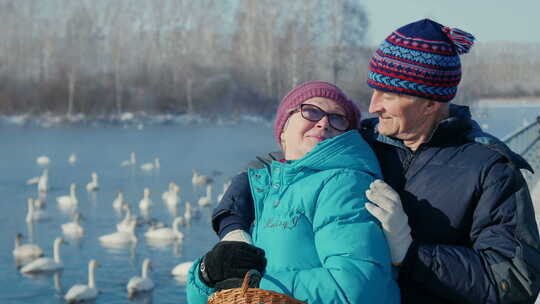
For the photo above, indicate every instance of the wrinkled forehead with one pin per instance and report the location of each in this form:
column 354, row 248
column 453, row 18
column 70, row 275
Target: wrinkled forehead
column 328, row 105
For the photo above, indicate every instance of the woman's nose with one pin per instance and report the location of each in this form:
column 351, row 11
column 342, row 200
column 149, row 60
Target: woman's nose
column 323, row 122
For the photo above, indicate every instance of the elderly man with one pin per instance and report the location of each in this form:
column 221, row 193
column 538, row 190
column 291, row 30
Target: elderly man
column 455, row 209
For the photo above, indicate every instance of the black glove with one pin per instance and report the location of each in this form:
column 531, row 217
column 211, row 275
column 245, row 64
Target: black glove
column 254, row 280
column 230, row 260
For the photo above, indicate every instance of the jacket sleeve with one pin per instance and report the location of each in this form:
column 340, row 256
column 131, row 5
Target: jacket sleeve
column 354, row 257
column 235, row 210
column 502, row 264
column 197, row 292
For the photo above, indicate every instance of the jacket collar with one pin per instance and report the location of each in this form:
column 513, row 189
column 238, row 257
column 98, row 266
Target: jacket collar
column 348, row 150
column 459, row 123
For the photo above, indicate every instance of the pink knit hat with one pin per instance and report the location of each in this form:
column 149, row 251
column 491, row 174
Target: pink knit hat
column 308, row 90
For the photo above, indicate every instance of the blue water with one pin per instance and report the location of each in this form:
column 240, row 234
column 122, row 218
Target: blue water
column 180, row 148
column 210, row 148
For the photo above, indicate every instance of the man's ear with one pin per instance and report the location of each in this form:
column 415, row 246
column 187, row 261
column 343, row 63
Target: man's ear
column 431, row 107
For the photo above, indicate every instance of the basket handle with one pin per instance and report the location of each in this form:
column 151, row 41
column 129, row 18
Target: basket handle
column 251, row 274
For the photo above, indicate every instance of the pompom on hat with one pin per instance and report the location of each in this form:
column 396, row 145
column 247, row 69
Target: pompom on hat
column 420, row 59
column 309, row 90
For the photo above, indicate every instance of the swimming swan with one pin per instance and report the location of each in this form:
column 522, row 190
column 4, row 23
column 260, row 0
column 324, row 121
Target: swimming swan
column 72, row 159
column 171, row 197
column 181, row 270
column 118, row 201
column 166, row 233
column 45, row 263
column 142, row 283
column 43, row 183
column 34, row 214
column 79, row 292
column 68, row 201
column 206, row 200
column 120, row 238
column 26, row 251
column 43, row 160
column 151, row 166
column 146, row 202
column 128, row 221
column 93, row 184
column 132, row 161
column 73, row 229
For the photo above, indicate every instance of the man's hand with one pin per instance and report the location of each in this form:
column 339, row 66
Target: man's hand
column 386, row 207
column 230, row 260
column 238, row 235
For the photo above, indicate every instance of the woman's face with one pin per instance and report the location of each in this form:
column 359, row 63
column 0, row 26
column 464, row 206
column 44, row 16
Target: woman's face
column 300, row 135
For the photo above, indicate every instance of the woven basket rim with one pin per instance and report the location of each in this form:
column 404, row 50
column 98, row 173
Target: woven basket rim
column 243, row 292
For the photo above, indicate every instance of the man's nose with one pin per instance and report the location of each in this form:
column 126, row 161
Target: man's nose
column 374, row 104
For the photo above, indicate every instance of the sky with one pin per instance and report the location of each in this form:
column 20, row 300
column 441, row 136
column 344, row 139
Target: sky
column 487, row 20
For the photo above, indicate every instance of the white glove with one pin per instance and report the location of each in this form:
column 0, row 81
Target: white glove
column 388, row 210
column 238, row 235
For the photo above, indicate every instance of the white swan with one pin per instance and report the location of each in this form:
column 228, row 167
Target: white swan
column 171, row 198
column 44, row 263
column 146, row 202
column 26, row 251
column 120, row 238
column 72, row 158
column 68, row 201
column 79, row 292
column 199, row 180
column 188, row 212
column 73, row 229
column 35, row 180
column 132, row 161
column 128, row 221
column 43, row 160
column 93, row 185
column 166, row 233
column 40, row 201
column 205, row 201
column 165, row 194
column 151, row 166
column 35, row 214
column 181, row 271
column 43, row 183
column 118, row 201
column 142, row 283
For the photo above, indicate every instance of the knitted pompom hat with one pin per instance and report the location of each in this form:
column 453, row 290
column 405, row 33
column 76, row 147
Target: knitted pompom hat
column 420, row 59
column 309, row 90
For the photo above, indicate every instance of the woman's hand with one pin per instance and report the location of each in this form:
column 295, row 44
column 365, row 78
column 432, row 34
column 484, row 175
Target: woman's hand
column 228, row 262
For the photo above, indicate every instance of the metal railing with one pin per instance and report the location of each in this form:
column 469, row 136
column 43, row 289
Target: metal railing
column 526, row 142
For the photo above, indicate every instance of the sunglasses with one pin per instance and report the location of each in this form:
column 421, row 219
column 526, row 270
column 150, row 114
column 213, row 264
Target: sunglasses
column 313, row 113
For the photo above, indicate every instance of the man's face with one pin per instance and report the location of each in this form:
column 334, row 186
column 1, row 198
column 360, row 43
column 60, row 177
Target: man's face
column 400, row 116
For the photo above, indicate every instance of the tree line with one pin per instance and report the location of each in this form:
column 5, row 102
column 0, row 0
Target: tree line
column 101, row 57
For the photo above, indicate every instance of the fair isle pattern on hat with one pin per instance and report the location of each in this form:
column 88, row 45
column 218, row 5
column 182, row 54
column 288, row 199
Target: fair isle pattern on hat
column 420, row 59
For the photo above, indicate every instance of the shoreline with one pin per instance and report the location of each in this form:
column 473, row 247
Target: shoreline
column 508, row 102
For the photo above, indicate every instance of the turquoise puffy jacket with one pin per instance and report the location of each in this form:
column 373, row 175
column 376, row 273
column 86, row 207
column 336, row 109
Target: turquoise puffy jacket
column 321, row 244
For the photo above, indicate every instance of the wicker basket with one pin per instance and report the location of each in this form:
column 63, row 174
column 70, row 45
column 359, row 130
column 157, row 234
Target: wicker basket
column 246, row 295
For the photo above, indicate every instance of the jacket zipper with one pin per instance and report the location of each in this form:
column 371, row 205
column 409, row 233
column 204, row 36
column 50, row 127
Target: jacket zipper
column 411, row 156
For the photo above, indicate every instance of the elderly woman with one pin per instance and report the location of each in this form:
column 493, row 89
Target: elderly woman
column 309, row 212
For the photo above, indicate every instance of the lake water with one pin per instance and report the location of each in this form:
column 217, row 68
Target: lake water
column 101, row 149
column 216, row 150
